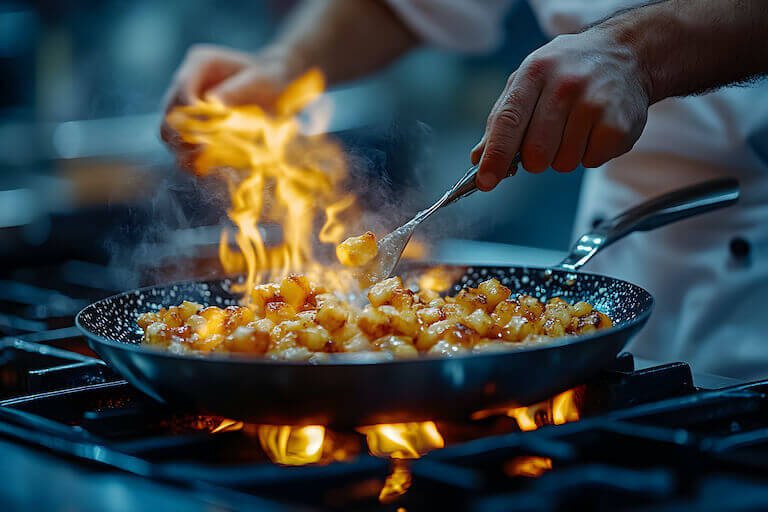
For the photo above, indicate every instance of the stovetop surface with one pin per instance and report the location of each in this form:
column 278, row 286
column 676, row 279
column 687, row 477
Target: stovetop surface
column 73, row 435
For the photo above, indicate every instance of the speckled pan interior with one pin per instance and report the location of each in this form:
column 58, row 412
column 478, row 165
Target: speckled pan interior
column 114, row 318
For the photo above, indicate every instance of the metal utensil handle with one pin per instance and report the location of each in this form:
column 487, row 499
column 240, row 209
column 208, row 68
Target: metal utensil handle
column 466, row 185
column 659, row 211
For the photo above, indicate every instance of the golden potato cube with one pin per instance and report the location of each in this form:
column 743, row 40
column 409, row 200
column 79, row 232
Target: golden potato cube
column 479, row 321
column 357, row 250
column 605, row 321
column 147, row 319
column 581, row 308
column 373, row 322
column 188, row 309
column 357, row 343
column 471, row 299
column 262, row 294
column 455, row 311
column 279, row 311
column 504, row 311
column 553, row 327
column 247, row 339
column 445, row 348
column 430, row 315
column 314, row 338
column 399, row 346
column 405, row 322
column 516, row 329
column 295, row 290
column 430, row 335
column 558, row 309
column 383, row 291
column 236, row 316
column 531, row 306
column 331, row 315
column 494, row 292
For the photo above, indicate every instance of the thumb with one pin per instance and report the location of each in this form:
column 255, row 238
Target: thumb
column 248, row 87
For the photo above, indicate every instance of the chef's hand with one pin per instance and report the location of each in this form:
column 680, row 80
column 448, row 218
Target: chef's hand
column 229, row 76
column 579, row 99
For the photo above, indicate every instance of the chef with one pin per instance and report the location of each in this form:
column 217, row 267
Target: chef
column 649, row 97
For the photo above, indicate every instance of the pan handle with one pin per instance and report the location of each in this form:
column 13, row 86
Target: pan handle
column 659, row 211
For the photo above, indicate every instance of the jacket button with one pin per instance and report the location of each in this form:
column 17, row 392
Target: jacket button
column 740, row 248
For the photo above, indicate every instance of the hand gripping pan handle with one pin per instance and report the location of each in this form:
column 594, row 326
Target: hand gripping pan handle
column 654, row 213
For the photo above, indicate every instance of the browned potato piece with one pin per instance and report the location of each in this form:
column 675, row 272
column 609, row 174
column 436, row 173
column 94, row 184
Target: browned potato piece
column 332, row 315
column 494, row 292
column 479, row 321
column 383, row 292
column 279, row 311
column 357, row 250
column 471, row 299
column 373, row 322
column 299, row 320
column 295, row 290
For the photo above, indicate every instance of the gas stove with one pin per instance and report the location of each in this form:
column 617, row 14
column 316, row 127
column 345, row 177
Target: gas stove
column 640, row 436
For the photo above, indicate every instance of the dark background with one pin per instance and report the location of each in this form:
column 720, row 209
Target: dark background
column 79, row 112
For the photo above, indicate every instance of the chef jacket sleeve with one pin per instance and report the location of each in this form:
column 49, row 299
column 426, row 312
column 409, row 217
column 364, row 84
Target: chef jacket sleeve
column 466, row 26
column 476, row 26
column 570, row 16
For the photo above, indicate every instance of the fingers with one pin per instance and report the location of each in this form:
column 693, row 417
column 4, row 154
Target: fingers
column 547, row 127
column 248, row 87
column 575, row 140
column 477, row 151
column 507, row 126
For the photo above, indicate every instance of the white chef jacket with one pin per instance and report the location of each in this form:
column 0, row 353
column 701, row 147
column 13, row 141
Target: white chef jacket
column 711, row 304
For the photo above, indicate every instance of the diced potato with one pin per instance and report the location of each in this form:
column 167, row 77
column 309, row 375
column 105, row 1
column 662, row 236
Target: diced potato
column 300, row 320
column 188, row 309
column 357, row 343
column 384, row 291
column 357, row 250
column 479, row 321
column 278, row 311
column 471, row 299
column 494, row 292
column 581, row 309
column 430, row 335
column 430, row 315
column 332, row 315
column 399, row 346
column 314, row 338
column 531, row 306
column 516, row 329
column 445, row 348
column 373, row 322
column 295, row 290
column 262, row 294
column 246, row 339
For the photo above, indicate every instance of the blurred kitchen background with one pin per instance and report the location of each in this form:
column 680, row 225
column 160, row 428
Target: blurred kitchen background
column 84, row 177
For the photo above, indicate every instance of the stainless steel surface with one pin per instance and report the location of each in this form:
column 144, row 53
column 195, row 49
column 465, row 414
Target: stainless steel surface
column 659, row 211
column 391, row 247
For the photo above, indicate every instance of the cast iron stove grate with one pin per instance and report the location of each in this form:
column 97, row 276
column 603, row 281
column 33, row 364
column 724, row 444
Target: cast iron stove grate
column 648, row 439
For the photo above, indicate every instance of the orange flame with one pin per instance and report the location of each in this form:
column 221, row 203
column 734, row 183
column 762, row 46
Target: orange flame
column 398, row 482
column 292, row 446
column 562, row 408
column 283, row 176
column 530, row 466
column 228, row 426
column 399, row 442
column 402, row 440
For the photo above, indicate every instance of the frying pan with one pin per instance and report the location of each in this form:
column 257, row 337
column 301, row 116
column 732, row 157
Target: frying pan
column 355, row 392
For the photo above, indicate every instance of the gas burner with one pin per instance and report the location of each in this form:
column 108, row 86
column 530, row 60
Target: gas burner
column 637, row 435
